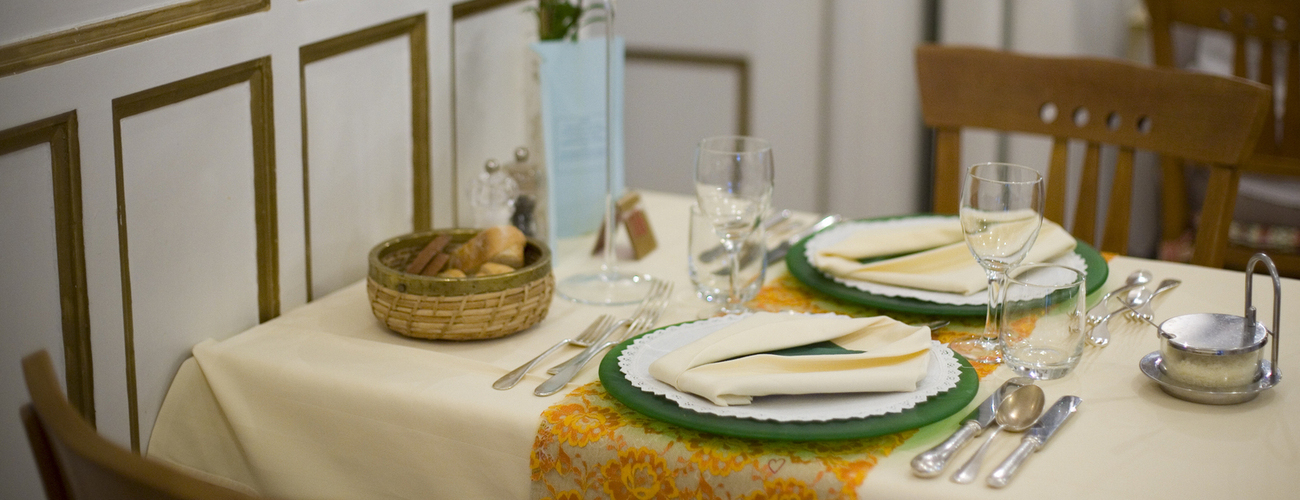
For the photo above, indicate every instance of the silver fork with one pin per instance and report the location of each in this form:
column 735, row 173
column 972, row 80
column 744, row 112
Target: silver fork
column 646, row 316
column 593, row 333
column 657, row 289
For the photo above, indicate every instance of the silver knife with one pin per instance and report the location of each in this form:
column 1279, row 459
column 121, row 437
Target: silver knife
column 778, row 253
column 1035, row 438
column 931, row 462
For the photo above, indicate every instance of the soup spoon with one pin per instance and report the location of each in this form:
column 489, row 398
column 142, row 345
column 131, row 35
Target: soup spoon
column 1016, row 413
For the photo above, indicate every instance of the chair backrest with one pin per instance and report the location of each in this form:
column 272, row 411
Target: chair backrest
column 77, row 463
column 1273, row 24
column 1196, row 117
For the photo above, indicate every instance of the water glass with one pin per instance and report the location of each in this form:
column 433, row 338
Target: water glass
column 1044, row 307
column 710, row 268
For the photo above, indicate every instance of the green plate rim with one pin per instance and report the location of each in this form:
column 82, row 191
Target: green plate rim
column 798, row 265
column 932, row 410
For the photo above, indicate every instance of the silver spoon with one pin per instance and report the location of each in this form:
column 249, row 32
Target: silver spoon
column 1139, row 300
column 1138, row 278
column 1016, row 413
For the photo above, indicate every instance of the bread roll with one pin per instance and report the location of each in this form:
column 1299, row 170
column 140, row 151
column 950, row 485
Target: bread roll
column 486, row 245
column 452, row 273
column 492, row 268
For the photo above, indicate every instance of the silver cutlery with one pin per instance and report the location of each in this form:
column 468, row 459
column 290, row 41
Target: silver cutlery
column 1141, row 303
column 1099, row 332
column 932, row 461
column 1016, row 413
column 1138, row 278
column 650, row 311
column 779, row 252
column 593, row 333
column 1035, row 438
column 636, row 320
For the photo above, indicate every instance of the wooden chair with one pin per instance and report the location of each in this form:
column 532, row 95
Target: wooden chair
column 1274, row 24
column 77, row 463
column 1199, row 117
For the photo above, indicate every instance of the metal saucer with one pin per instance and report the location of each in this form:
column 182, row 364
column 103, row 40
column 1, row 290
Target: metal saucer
column 1153, row 367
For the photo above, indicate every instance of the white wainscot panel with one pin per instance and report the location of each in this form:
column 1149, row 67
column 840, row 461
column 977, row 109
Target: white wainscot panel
column 698, row 100
column 188, row 176
column 29, row 313
column 359, row 158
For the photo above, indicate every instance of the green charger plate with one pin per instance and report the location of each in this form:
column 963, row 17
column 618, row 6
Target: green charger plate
column 934, row 409
column 797, row 263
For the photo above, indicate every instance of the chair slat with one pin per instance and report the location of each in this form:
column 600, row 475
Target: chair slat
column 1058, row 176
column 1115, row 238
column 1216, row 216
column 1239, row 56
column 1267, row 139
column 1291, row 117
column 1085, row 215
column 1174, row 218
column 947, row 170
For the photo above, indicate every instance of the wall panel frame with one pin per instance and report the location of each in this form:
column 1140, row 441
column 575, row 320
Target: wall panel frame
column 415, row 28
column 60, row 132
column 96, row 37
column 738, row 64
column 257, row 73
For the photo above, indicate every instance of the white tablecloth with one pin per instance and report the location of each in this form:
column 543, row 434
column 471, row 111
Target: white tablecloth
column 323, row 402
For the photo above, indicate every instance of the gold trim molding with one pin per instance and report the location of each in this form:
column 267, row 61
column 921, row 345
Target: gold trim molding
column 97, row 37
column 738, row 64
column 60, row 132
column 414, row 27
column 257, row 73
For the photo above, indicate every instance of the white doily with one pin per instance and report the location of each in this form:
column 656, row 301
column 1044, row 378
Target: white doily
column 844, row 230
column 944, row 373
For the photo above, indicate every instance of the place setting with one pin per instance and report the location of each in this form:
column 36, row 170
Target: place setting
column 793, row 376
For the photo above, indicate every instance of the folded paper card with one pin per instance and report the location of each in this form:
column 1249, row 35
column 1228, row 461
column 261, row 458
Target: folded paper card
column 947, row 268
column 841, row 354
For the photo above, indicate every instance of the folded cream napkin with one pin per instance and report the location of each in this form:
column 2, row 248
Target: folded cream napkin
column 729, row 367
column 948, row 268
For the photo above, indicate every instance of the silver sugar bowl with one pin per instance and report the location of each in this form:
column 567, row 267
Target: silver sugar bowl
column 1218, row 358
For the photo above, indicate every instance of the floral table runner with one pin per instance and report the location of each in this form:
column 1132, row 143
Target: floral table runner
column 589, row 445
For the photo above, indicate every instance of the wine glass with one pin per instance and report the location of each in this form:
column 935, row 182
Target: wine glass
column 1001, row 212
column 733, row 187
column 609, row 286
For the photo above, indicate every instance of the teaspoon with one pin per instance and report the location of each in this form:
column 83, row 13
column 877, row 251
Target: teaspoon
column 1016, row 413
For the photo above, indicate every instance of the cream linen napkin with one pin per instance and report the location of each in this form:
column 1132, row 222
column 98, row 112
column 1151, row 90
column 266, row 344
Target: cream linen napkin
column 726, row 368
column 949, row 268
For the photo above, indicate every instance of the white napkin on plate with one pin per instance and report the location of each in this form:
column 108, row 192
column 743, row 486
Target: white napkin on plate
column 728, row 367
column 949, row 268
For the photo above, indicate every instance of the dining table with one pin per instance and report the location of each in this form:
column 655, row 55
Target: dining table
column 325, row 402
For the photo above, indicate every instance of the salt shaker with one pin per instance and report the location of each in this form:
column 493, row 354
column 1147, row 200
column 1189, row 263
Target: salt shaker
column 493, row 196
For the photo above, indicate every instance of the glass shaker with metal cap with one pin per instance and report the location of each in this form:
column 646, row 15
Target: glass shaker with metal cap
column 493, row 196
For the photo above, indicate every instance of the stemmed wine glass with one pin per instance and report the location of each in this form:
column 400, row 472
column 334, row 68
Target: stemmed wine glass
column 733, row 186
column 1001, row 213
column 609, row 286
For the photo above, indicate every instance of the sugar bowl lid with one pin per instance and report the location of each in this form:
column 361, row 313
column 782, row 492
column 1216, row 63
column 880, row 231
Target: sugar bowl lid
column 1213, row 334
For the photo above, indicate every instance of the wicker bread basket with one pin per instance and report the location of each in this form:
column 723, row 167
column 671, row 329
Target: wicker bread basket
column 470, row 308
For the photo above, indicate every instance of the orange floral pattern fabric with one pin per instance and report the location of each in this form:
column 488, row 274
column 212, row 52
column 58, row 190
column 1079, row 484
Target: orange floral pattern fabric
column 589, row 445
